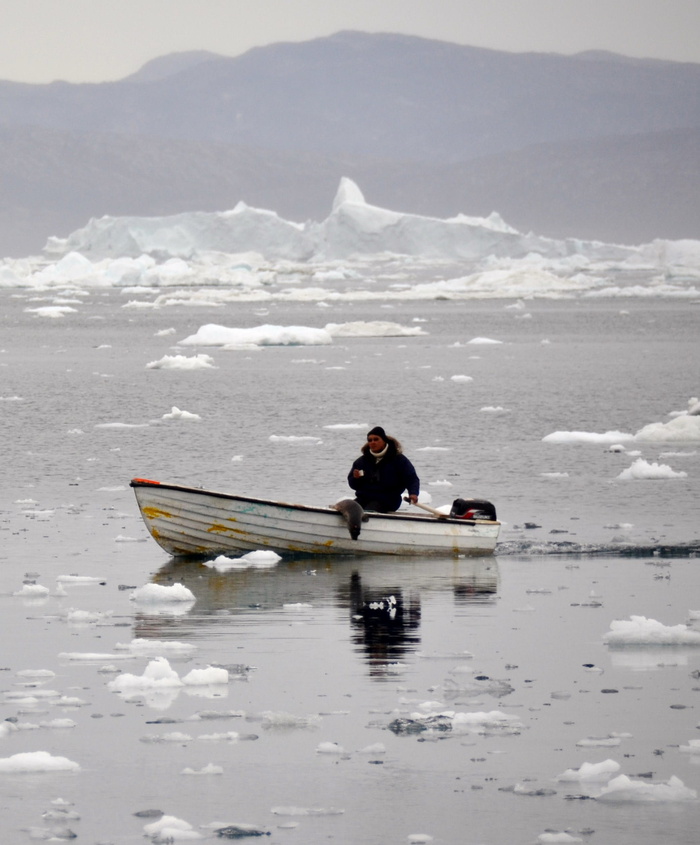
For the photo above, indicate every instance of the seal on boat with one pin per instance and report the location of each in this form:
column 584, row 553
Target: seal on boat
column 352, row 513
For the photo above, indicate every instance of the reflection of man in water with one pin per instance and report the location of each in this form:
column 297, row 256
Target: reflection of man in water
column 384, row 624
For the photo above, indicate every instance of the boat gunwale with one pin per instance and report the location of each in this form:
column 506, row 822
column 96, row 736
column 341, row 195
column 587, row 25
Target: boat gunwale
column 145, row 483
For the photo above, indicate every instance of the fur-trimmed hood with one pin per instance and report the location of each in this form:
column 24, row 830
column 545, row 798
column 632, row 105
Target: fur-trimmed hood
column 395, row 448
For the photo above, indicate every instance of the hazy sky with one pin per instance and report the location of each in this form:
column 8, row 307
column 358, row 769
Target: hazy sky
column 95, row 40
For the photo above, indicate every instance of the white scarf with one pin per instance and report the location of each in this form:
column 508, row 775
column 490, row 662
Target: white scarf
column 379, row 455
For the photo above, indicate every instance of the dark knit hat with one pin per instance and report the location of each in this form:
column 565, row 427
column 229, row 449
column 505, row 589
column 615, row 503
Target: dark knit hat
column 379, row 431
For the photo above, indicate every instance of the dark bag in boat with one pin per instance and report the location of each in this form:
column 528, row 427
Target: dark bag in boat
column 472, row 509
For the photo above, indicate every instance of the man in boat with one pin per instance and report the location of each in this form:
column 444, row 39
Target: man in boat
column 382, row 473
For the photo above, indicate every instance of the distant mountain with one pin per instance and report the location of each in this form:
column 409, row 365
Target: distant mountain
column 594, row 145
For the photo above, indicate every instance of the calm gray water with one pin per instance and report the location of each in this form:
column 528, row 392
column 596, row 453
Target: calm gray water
column 532, row 617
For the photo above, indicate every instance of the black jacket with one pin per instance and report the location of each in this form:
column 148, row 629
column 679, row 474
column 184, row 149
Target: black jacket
column 384, row 481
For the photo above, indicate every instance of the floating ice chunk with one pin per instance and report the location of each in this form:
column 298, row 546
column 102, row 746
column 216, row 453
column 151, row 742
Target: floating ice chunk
column 290, row 438
column 85, row 617
column 177, row 414
column 375, row 748
column 330, row 748
column 258, row 559
column 590, row 772
column 683, row 428
column 37, row 761
column 555, row 838
column 638, row 630
column 440, row 483
column 416, row 838
column 266, row 335
column 33, row 591
column 306, row 811
column 272, row 719
column 182, row 362
column 51, row 311
column 78, row 579
column 36, row 674
column 170, row 829
column 461, row 378
column 599, row 742
column 483, row 341
column 159, row 593
column 152, row 648
column 157, row 674
column 209, row 769
column 210, row 675
column 693, row 747
column 642, row 469
column 374, row 328
column 228, row 736
column 494, row 409
column 586, row 437
column 624, row 789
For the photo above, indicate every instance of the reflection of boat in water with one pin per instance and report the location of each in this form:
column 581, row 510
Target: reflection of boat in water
column 320, row 582
column 195, row 522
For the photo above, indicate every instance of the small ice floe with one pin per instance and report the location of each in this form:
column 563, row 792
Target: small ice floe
column 79, row 579
column 36, row 761
column 177, row 414
column 308, row 440
column 209, row 769
column 609, row 741
column 375, row 748
column 478, row 723
column 36, row 674
column 483, row 341
column 121, row 425
column 684, row 428
column 586, row 437
column 258, row 559
column 461, row 378
column 52, row 311
column 642, row 469
column 32, row 591
column 91, row 656
column 624, row 789
column 560, row 837
column 554, row 474
column 693, row 747
column 418, row 838
column 173, row 736
column 639, row 630
column 347, row 426
column 226, row 736
column 266, row 335
column 86, row 617
column 160, row 593
column 306, row 811
column 238, row 830
column 182, row 362
column 273, row 719
column 476, row 684
column 330, row 748
column 154, row 648
column 590, row 773
column 157, row 674
column 210, row 676
column 440, row 483
column 494, row 409
column 372, row 328
column 615, row 447
column 170, row 829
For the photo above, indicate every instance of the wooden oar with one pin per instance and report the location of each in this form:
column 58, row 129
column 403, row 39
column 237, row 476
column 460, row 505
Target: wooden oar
column 428, row 509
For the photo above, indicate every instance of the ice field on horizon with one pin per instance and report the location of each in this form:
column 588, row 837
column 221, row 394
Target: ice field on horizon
column 359, row 253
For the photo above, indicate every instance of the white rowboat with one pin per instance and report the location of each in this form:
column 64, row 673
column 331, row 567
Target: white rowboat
column 189, row 521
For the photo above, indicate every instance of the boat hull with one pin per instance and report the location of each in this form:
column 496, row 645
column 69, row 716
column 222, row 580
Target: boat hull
column 189, row 521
